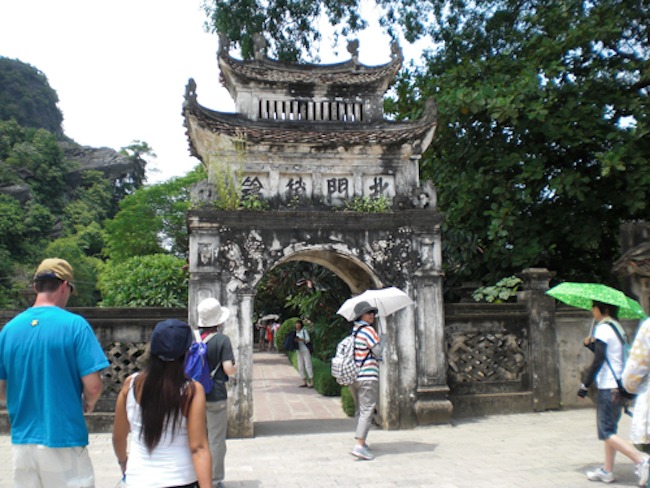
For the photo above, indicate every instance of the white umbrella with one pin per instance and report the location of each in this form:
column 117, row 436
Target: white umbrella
column 271, row 316
column 387, row 301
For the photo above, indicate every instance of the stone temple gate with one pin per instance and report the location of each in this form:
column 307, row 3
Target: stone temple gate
column 304, row 141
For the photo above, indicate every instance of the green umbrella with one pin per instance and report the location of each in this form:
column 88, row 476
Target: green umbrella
column 581, row 295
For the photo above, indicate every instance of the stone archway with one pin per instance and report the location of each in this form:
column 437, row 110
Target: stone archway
column 231, row 251
column 308, row 141
column 349, row 269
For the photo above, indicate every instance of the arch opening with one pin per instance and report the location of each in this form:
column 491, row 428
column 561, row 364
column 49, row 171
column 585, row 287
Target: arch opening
column 318, row 281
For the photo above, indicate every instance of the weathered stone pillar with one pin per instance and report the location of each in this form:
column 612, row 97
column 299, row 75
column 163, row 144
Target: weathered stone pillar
column 431, row 403
column 544, row 357
column 240, row 391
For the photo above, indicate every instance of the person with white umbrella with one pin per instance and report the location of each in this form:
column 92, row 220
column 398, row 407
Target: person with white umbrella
column 365, row 390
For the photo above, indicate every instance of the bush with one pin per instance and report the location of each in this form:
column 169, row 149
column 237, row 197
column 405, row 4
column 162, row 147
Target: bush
column 324, row 383
column 84, row 267
column 347, row 402
column 281, row 334
column 503, row 291
column 157, row 280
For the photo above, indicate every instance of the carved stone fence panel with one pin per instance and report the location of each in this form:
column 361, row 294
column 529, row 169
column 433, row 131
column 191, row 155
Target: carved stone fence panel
column 124, row 334
column 488, row 356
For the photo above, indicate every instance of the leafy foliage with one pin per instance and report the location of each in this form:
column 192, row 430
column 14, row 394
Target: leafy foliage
column 312, row 292
column 48, row 205
column 156, row 280
column 85, row 268
column 291, row 26
column 23, row 231
column 254, row 202
column 324, row 383
column 92, row 201
column 502, row 291
column 301, row 289
column 37, row 159
column 131, row 181
column 152, row 220
column 536, row 161
column 368, row 204
column 27, row 97
column 282, row 332
column 347, row 402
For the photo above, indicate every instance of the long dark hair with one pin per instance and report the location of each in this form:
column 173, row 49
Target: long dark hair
column 166, row 395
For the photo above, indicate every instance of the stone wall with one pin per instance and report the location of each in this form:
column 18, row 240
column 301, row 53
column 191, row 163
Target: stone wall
column 488, row 346
column 573, row 326
column 124, row 334
column 488, row 358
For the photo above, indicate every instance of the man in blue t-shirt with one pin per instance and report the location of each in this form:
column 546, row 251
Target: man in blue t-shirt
column 50, row 361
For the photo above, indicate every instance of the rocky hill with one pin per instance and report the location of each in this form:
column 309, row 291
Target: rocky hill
column 27, row 98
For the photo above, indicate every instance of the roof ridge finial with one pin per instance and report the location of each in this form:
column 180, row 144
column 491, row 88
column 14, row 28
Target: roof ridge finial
column 353, row 49
column 396, row 51
column 259, row 45
column 224, row 44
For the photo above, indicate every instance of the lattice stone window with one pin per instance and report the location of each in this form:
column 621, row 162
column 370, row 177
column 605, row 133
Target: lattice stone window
column 486, row 357
column 339, row 111
column 125, row 358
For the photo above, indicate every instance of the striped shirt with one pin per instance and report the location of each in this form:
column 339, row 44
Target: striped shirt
column 366, row 339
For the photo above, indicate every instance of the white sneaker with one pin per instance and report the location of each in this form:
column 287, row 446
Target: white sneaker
column 600, row 475
column 362, row 452
column 642, row 471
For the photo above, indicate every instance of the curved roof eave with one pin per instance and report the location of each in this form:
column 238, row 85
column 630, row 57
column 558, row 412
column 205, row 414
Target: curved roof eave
column 314, row 133
column 267, row 71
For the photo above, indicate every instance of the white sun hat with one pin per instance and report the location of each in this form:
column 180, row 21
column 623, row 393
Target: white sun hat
column 211, row 313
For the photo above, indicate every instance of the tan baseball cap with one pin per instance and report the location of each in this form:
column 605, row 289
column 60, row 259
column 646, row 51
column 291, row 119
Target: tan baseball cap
column 55, row 268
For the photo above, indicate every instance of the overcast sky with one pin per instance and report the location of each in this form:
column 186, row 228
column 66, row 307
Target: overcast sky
column 120, row 68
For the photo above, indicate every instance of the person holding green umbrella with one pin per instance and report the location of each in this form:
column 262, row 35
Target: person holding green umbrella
column 607, row 343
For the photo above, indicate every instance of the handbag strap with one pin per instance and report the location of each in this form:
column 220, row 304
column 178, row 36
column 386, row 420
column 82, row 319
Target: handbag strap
column 205, row 341
column 354, row 343
column 623, row 343
column 618, row 380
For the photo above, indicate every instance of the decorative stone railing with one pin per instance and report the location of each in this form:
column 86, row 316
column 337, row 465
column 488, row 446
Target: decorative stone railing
column 124, row 334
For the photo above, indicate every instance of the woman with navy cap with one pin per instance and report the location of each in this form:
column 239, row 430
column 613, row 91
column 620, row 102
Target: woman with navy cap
column 165, row 413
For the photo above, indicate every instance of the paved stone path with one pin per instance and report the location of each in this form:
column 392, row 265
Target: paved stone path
column 299, row 445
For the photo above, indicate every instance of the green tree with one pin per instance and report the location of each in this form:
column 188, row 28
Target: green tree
column 12, row 225
column 39, row 160
column 157, row 280
column 137, row 151
column 543, row 132
column 152, row 220
column 310, row 291
column 91, row 201
column 85, row 269
column 290, row 26
column 11, row 133
column 26, row 96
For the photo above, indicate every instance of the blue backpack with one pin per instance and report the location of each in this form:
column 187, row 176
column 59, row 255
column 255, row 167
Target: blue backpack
column 196, row 364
